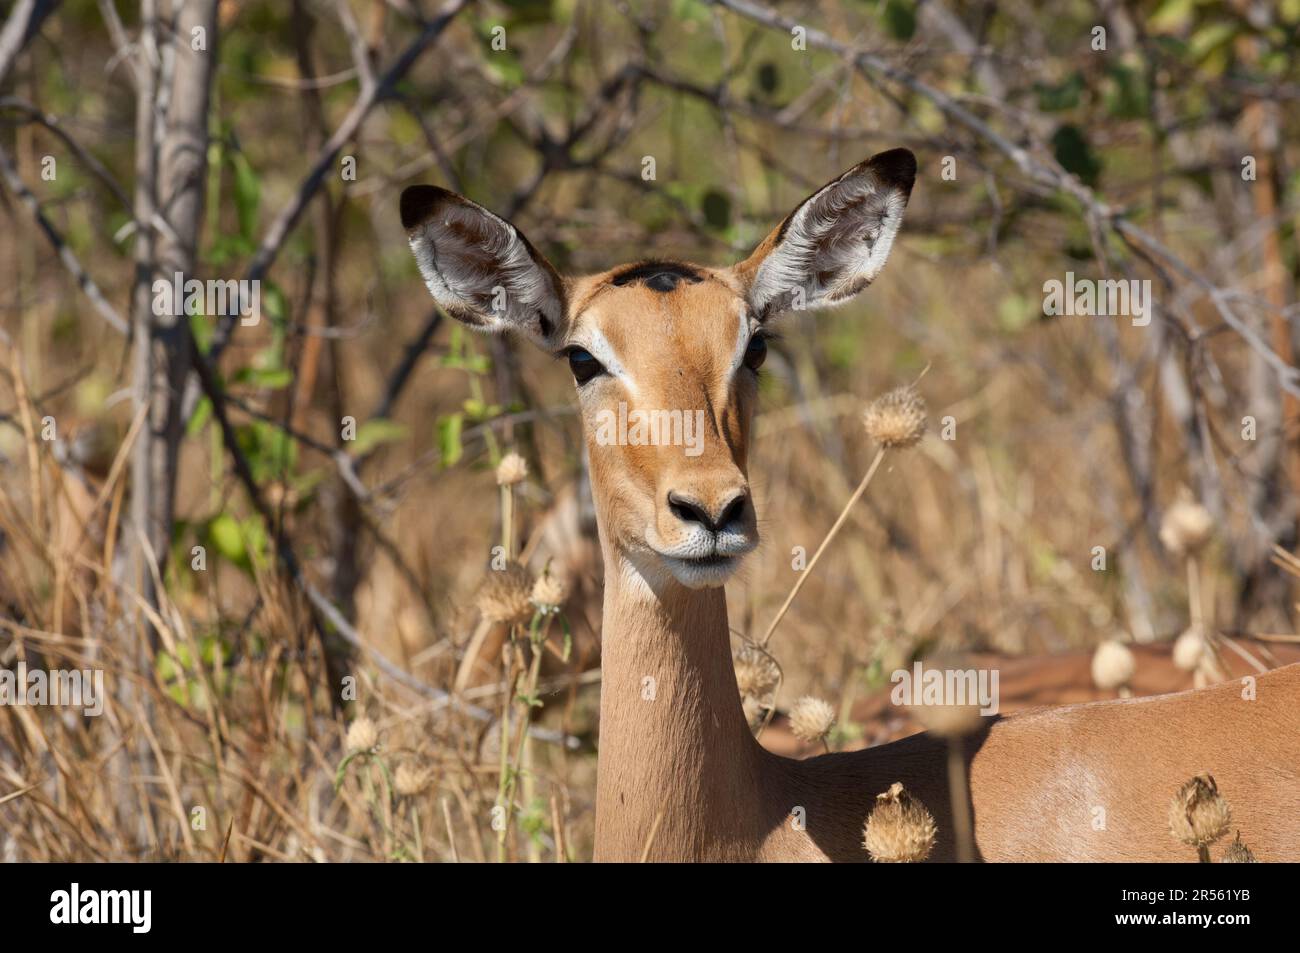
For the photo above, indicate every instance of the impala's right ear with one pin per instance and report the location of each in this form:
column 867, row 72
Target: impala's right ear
column 479, row 268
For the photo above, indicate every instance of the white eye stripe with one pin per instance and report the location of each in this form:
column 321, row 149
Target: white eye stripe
column 742, row 339
column 602, row 351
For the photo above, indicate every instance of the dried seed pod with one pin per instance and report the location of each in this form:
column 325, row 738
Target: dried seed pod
column 811, row 719
column 362, row 735
column 512, row 469
column 1198, row 814
column 1186, row 527
column 1238, row 853
column 506, row 595
column 756, row 673
column 1113, row 665
column 897, row 419
column 899, row 829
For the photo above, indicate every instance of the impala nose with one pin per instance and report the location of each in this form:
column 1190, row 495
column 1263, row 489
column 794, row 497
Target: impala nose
column 688, row 510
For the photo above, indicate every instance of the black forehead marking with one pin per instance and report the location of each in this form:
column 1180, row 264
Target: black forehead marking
column 662, row 276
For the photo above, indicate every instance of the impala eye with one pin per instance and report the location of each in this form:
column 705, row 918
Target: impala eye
column 583, row 365
column 756, row 352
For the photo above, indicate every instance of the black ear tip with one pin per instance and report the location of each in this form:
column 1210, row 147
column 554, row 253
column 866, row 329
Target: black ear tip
column 897, row 166
column 419, row 202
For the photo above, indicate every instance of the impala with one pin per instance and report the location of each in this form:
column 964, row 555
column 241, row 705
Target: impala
column 679, row 774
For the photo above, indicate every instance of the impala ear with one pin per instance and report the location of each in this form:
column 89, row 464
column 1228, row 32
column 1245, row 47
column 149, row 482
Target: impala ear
column 835, row 243
column 479, row 267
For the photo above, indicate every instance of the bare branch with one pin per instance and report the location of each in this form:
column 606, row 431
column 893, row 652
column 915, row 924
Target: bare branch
column 87, row 284
column 320, row 604
column 52, row 123
column 1033, row 167
column 24, row 20
column 288, row 216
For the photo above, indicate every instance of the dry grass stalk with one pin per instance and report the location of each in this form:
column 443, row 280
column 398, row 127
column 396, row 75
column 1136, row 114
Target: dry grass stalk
column 953, row 723
column 894, row 421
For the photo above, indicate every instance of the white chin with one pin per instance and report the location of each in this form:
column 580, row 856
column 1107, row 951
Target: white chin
column 697, row 574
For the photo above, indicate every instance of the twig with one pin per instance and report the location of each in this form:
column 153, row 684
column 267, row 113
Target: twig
column 52, row 123
column 61, row 248
column 839, row 522
column 288, row 216
column 24, row 20
column 321, row 604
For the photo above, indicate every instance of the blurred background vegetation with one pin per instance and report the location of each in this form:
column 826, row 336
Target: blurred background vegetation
column 334, row 462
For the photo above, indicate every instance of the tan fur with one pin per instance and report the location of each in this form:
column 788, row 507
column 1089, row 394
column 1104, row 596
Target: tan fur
column 1037, row 778
column 679, row 775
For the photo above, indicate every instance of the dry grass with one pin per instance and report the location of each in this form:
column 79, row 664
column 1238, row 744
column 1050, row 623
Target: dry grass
column 976, row 545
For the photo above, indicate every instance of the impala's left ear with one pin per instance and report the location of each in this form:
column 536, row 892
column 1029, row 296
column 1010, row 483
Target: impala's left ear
column 835, row 243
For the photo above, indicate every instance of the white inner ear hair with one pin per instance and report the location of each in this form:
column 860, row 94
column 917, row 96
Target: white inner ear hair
column 835, row 245
column 472, row 261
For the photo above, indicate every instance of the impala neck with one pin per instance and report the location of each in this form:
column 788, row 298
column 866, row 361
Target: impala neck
column 674, row 745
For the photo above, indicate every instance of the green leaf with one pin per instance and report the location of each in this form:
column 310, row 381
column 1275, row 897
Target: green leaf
column 1071, row 149
column 477, row 410
column 691, row 10
column 1171, row 15
column 202, row 329
column 166, row 666
column 256, row 543
column 228, row 540
column 716, row 208
column 1059, row 96
column 449, row 438
column 1015, row 312
column 248, row 193
column 505, row 68
column 530, row 11
column 900, row 19
column 270, row 379
column 1127, row 99
column 199, row 419
column 1210, row 38
column 372, row 433
column 273, row 302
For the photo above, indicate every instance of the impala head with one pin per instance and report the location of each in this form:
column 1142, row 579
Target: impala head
column 665, row 355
